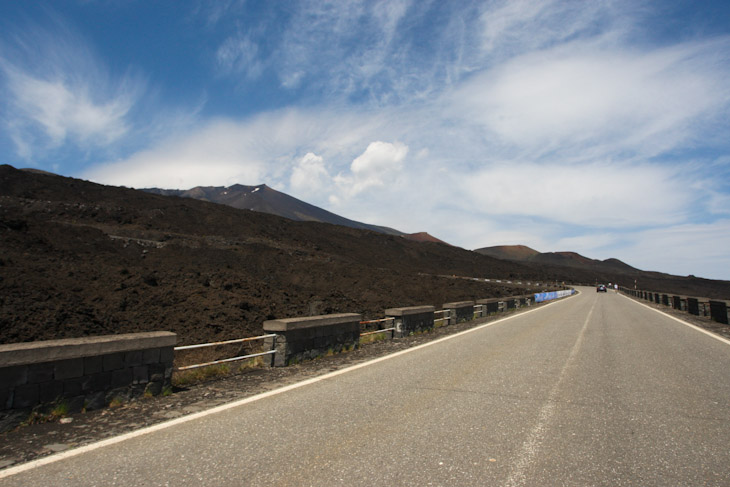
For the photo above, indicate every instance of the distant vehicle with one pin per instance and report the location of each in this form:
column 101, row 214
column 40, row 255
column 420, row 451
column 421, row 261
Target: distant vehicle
column 601, row 289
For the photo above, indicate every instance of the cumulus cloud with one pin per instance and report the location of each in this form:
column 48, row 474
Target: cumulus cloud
column 309, row 176
column 379, row 162
column 264, row 148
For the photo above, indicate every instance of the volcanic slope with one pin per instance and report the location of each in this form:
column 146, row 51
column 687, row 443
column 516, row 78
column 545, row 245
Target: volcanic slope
column 79, row 259
column 267, row 200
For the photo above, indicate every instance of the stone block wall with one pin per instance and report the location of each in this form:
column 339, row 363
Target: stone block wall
column 693, row 306
column 411, row 319
column 460, row 311
column 299, row 339
column 81, row 373
column 492, row 305
column 718, row 311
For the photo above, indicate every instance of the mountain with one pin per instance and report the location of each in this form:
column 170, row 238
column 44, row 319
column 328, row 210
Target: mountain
column 80, row 259
column 509, row 252
column 521, row 253
column 267, row 200
column 423, row 237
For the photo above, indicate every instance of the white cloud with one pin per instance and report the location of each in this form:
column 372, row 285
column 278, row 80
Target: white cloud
column 68, row 112
column 265, row 148
column 380, row 161
column 309, row 176
column 219, row 154
column 58, row 93
column 513, row 27
column 698, row 249
column 239, row 55
column 588, row 94
column 592, row 195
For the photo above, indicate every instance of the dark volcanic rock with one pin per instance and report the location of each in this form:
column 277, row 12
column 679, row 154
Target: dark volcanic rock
column 79, row 259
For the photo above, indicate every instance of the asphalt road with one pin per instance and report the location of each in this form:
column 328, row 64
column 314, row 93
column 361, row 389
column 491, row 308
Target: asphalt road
column 592, row 390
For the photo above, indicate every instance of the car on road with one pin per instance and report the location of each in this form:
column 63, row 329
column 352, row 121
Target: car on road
column 601, row 289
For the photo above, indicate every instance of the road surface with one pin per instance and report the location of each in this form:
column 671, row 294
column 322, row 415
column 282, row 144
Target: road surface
column 596, row 389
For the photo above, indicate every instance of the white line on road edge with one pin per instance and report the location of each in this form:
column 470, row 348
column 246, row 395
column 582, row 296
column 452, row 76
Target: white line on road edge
column 174, row 422
column 702, row 330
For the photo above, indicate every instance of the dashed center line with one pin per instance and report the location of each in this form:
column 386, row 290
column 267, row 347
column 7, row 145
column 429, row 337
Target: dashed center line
column 531, row 447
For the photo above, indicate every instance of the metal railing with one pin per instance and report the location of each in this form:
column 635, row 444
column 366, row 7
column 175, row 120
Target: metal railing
column 227, row 342
column 445, row 315
column 383, row 330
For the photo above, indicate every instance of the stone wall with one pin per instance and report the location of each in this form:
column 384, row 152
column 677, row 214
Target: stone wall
column 717, row 310
column 491, row 305
column 411, row 319
column 81, row 373
column 460, row 311
column 306, row 338
column 693, row 306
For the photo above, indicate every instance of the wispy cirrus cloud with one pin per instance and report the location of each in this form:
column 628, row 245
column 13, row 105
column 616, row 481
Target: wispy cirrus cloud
column 604, row 97
column 60, row 93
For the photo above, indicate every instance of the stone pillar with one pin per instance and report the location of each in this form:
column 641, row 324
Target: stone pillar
column 718, row 310
column 299, row 339
column 411, row 319
column 491, row 306
column 460, row 311
column 693, row 306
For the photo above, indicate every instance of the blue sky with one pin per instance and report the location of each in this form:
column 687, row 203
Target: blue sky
column 601, row 127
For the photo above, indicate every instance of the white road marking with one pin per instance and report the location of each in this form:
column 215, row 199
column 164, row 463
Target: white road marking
column 531, row 445
column 701, row 330
column 191, row 417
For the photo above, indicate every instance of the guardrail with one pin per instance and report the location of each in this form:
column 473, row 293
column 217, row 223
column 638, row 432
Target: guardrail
column 716, row 310
column 91, row 372
column 444, row 316
column 226, row 342
column 380, row 330
column 399, row 323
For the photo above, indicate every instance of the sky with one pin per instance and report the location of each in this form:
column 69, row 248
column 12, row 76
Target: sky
column 600, row 127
